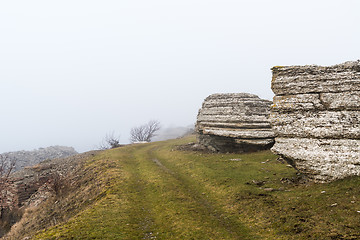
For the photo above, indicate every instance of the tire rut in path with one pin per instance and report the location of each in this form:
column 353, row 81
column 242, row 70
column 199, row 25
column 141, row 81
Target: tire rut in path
column 145, row 224
column 204, row 204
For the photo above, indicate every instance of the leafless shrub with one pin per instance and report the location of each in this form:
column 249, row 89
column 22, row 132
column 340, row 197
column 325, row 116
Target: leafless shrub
column 6, row 167
column 59, row 184
column 110, row 141
column 144, row 133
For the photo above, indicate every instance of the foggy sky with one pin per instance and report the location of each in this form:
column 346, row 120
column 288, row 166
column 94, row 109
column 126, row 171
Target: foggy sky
column 73, row 71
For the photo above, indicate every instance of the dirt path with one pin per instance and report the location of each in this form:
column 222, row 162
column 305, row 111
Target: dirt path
column 177, row 202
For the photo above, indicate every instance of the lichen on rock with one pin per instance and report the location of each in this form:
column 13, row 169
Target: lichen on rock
column 316, row 119
column 234, row 122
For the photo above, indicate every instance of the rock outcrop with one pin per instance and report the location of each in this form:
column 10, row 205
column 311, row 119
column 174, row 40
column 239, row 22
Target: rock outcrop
column 29, row 158
column 31, row 186
column 234, row 122
column 316, row 119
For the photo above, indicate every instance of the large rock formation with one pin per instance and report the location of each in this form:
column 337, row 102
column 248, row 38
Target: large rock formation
column 316, row 118
column 234, row 122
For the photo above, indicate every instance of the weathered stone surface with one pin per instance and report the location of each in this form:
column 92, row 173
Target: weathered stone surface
column 234, row 122
column 317, row 101
column 316, row 119
column 322, row 159
column 317, row 124
column 316, row 79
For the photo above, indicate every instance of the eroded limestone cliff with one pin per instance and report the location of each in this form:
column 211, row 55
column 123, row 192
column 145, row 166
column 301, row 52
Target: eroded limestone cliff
column 234, row 122
column 316, row 119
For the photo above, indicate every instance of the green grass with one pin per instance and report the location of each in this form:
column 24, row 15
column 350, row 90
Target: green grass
column 154, row 191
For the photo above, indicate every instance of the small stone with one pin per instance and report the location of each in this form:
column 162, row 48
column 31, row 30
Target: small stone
column 259, row 183
column 236, row 159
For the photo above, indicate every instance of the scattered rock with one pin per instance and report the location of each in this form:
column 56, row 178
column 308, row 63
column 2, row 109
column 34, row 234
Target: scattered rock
column 234, row 122
column 258, row 183
column 298, row 180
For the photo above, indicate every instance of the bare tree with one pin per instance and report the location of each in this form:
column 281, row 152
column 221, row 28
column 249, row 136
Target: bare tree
column 110, row 141
column 144, row 133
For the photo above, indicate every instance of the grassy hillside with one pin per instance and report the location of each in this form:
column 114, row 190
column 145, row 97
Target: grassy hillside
column 154, row 191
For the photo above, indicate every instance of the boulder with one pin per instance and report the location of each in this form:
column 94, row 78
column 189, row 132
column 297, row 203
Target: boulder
column 234, row 122
column 316, row 118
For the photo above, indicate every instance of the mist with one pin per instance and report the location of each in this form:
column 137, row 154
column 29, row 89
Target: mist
column 73, row 71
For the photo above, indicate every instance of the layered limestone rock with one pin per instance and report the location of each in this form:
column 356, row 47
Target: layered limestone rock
column 316, row 119
column 234, row 122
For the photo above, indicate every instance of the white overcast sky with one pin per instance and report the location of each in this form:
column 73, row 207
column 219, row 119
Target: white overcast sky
column 72, row 71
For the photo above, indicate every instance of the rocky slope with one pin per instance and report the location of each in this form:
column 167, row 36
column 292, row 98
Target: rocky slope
column 29, row 158
column 316, row 118
column 28, row 188
column 234, row 122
